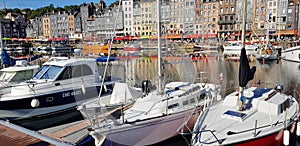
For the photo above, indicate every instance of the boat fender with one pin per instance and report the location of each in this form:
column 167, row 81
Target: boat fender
column 298, row 129
column 83, row 89
column 35, row 103
column 286, row 137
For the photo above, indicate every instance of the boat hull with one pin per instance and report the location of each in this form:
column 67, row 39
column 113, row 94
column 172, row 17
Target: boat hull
column 266, row 57
column 292, row 54
column 48, row 104
column 274, row 139
column 152, row 131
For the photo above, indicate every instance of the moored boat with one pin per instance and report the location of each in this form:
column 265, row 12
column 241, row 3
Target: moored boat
column 253, row 116
column 234, row 49
column 55, row 88
column 267, row 54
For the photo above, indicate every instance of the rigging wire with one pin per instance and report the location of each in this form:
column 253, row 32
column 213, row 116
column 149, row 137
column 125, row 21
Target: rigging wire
column 109, row 50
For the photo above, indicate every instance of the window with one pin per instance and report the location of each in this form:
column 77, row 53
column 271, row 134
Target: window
column 172, row 105
column 185, row 102
column 201, row 97
column 41, row 72
column 51, row 72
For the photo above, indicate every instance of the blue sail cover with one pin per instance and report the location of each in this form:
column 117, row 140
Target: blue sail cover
column 104, row 59
column 6, row 59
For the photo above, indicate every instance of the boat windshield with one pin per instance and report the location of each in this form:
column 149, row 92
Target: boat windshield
column 6, row 76
column 41, row 72
column 48, row 72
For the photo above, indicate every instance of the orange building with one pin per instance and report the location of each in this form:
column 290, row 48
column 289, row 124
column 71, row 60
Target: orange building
column 46, row 26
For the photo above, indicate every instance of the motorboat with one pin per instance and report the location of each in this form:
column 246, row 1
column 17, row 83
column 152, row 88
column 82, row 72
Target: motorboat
column 267, row 54
column 153, row 117
column 234, row 49
column 252, row 116
column 59, row 85
column 13, row 75
column 291, row 54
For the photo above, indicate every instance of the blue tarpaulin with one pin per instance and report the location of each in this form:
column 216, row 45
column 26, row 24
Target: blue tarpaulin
column 6, row 59
column 9, row 61
column 104, row 59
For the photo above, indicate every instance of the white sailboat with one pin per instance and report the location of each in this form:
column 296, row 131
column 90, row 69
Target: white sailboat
column 156, row 116
column 267, row 52
column 252, row 116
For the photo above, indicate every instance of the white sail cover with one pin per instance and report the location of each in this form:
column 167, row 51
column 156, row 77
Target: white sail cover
column 123, row 92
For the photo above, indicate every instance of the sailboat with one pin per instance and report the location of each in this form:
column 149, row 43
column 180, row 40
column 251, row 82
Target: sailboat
column 252, row 116
column 267, row 52
column 156, row 116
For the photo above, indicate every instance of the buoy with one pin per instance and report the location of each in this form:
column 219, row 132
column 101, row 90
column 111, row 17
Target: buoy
column 35, row 103
column 298, row 129
column 83, row 89
column 286, row 137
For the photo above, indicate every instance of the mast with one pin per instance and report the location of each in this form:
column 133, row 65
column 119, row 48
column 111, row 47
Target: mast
column 268, row 27
column 159, row 87
column 279, row 19
column 254, row 21
column 244, row 22
column 1, row 43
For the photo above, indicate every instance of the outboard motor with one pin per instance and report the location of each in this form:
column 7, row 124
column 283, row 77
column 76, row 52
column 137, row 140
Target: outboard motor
column 145, row 87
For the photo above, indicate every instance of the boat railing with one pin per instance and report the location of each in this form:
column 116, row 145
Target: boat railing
column 197, row 133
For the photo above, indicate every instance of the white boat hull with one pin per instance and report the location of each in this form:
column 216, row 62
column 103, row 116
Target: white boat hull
column 151, row 131
column 236, row 50
column 266, row 57
column 292, row 54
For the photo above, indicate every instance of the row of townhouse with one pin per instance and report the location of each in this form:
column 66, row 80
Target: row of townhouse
column 220, row 18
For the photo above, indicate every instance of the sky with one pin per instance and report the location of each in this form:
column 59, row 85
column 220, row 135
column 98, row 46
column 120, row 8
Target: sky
column 34, row 4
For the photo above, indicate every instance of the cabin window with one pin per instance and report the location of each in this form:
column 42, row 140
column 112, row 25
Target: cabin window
column 22, row 75
column 51, row 72
column 41, row 72
column 87, row 70
column 81, row 70
column 172, row 105
column 185, row 102
column 75, row 71
column 193, row 100
column 201, row 97
column 66, row 74
column 285, row 105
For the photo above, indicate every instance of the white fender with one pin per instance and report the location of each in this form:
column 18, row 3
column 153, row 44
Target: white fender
column 286, row 137
column 83, row 89
column 35, row 103
column 99, row 139
column 298, row 129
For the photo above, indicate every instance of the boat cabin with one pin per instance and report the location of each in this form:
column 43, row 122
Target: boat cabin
column 257, row 100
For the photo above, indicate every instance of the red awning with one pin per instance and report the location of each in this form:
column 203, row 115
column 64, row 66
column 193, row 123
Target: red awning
column 118, row 38
column 52, row 39
column 127, row 37
column 61, row 39
column 212, row 35
column 14, row 39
